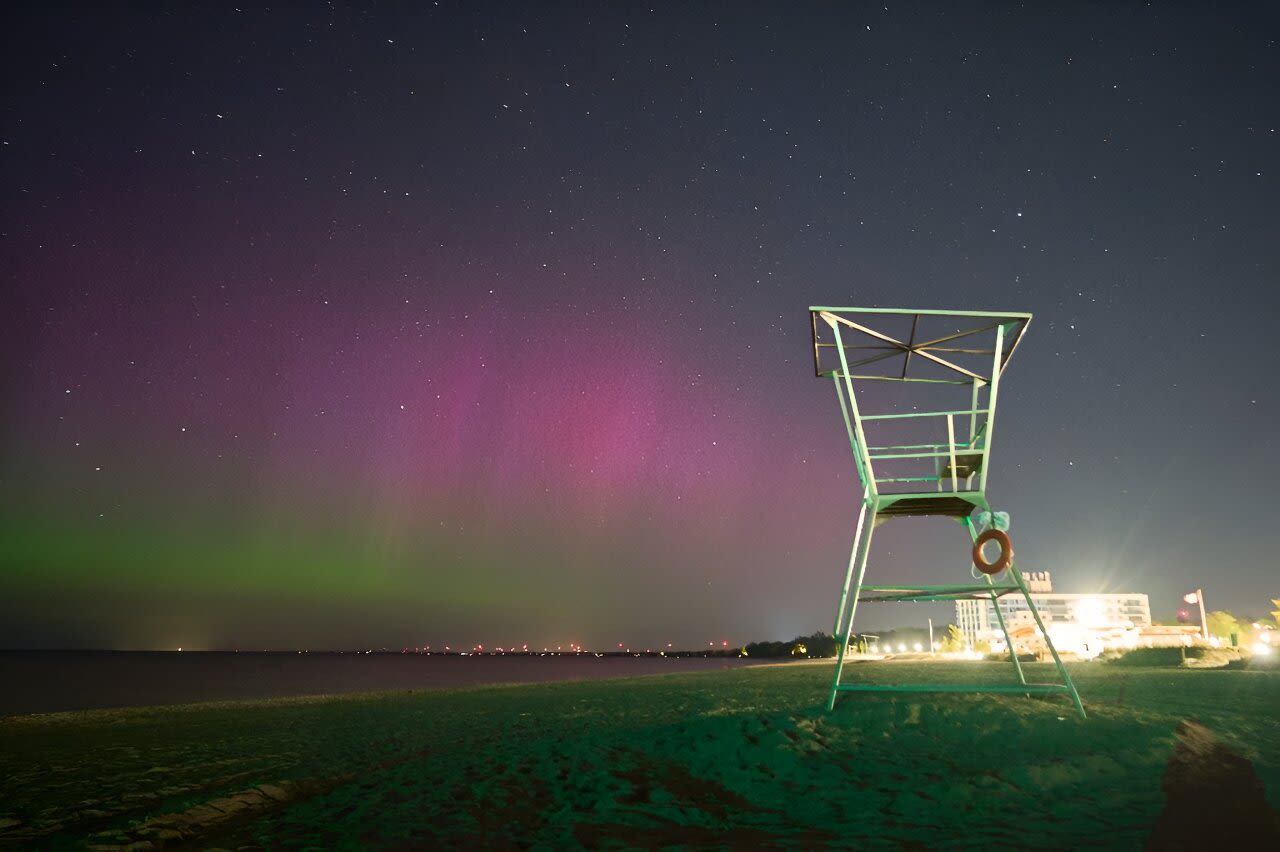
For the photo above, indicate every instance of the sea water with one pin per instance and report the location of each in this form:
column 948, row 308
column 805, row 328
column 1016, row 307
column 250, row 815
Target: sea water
column 54, row 681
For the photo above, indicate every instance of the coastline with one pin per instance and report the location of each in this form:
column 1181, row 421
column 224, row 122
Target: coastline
column 61, row 681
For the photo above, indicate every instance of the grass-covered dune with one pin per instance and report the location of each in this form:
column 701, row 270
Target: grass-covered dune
column 738, row 758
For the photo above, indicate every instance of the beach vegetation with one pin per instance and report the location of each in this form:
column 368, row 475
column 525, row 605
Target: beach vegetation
column 817, row 644
column 1223, row 624
column 952, row 640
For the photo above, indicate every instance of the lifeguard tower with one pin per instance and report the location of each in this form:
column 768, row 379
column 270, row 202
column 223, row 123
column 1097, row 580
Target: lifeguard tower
column 918, row 392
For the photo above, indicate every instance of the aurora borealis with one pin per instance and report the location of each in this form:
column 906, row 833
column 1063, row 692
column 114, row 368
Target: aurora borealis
column 486, row 323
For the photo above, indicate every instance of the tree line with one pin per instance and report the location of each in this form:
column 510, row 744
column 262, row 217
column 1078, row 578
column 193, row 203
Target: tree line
column 1228, row 627
column 820, row 644
column 817, row 644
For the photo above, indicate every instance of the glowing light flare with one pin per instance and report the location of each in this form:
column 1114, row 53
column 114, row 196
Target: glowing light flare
column 1089, row 612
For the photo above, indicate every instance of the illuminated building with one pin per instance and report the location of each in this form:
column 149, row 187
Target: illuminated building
column 1082, row 624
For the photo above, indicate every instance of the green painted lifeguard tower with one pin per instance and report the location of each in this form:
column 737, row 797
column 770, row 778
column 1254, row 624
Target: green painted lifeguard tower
column 918, row 392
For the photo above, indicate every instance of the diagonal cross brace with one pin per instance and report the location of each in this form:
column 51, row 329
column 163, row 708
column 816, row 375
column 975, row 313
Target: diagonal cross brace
column 907, row 348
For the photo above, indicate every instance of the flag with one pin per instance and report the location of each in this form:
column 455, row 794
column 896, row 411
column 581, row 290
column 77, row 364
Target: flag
column 1191, row 598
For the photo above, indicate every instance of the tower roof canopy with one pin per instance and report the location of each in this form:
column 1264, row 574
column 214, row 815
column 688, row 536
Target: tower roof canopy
column 891, row 344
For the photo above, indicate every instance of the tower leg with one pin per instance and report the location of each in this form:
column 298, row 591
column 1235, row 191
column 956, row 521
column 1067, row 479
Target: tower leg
column 848, row 574
column 995, row 604
column 858, row 567
column 1048, row 641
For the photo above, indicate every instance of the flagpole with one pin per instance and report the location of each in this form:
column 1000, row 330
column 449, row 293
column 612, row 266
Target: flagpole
column 1204, row 622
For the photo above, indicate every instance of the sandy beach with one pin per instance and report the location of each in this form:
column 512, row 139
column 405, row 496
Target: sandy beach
column 740, row 759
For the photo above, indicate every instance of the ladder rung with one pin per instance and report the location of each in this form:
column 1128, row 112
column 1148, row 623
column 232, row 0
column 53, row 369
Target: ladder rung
column 890, row 594
column 911, row 414
column 923, row 455
column 982, row 587
column 1010, row 688
column 910, row 479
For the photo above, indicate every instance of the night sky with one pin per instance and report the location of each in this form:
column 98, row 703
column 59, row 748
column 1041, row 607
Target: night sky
column 331, row 326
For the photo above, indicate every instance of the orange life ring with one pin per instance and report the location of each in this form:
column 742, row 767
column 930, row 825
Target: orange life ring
column 1006, row 552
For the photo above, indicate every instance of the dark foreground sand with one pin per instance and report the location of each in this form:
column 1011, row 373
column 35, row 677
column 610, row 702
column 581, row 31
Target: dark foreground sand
column 742, row 759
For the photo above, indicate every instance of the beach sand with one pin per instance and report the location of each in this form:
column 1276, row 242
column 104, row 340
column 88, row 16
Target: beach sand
column 743, row 758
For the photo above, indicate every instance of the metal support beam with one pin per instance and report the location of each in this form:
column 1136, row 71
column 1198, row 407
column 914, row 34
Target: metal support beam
column 858, row 564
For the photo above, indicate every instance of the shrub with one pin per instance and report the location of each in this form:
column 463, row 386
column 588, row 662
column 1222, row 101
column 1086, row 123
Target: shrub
column 1197, row 657
column 1166, row 657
